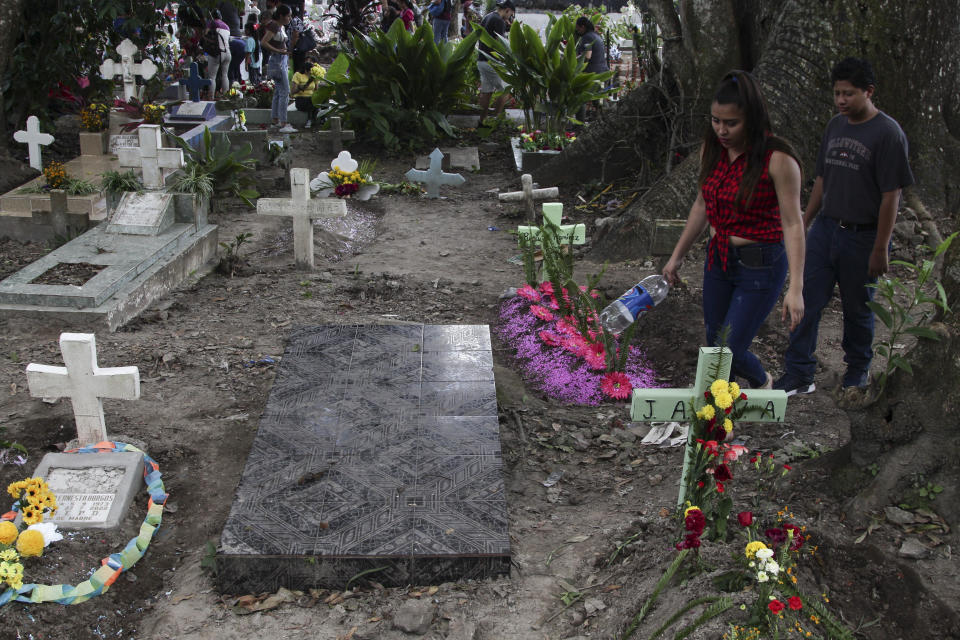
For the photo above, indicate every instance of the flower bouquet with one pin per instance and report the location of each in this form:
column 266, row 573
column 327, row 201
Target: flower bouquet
column 234, row 101
column 95, row 117
column 153, row 113
column 257, row 96
column 345, row 179
column 544, row 141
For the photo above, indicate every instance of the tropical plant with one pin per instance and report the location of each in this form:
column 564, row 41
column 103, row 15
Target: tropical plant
column 119, row 182
column 400, row 84
column 230, row 171
column 547, row 79
column 231, row 253
column 353, row 17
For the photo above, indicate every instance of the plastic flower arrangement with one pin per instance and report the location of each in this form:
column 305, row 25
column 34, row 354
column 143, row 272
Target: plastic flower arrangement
column 11, row 571
column 56, row 175
column 95, row 117
column 345, row 184
column 317, row 72
column 33, row 499
column 543, row 141
column 153, row 113
column 346, row 178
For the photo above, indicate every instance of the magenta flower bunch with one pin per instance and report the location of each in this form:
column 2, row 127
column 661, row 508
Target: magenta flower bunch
column 561, row 363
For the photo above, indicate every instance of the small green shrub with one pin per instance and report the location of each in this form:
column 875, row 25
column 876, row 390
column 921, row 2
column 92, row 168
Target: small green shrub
column 231, row 171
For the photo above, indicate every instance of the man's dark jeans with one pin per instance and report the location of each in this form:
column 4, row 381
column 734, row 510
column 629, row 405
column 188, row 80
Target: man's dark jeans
column 741, row 298
column 835, row 256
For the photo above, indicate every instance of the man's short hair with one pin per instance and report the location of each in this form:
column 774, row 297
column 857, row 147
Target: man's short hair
column 506, row 4
column 856, row 71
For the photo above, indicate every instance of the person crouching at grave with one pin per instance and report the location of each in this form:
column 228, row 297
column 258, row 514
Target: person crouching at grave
column 305, row 82
column 750, row 199
column 495, row 23
column 275, row 40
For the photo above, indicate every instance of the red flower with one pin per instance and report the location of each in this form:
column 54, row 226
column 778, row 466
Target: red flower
column 690, row 541
column 546, row 287
column 798, row 538
column 722, row 473
column 787, row 467
column 695, row 521
column 529, row 293
column 700, row 485
column 776, row 536
column 733, row 451
column 346, row 189
column 745, row 518
column 795, row 603
column 596, row 356
column 706, row 394
column 720, row 488
column 743, row 396
column 550, row 338
column 540, row 312
column 775, row 606
column 616, row 385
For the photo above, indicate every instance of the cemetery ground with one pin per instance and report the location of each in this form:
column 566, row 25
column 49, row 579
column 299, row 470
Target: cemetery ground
column 587, row 552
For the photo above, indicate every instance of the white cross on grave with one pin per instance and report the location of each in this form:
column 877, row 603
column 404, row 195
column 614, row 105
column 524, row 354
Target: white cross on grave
column 33, row 138
column 84, row 383
column 150, row 156
column 528, row 195
column 128, row 68
column 434, row 177
column 336, row 135
column 303, row 210
column 552, row 214
column 763, row 405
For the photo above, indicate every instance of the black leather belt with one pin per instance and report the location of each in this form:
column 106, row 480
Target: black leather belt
column 856, row 226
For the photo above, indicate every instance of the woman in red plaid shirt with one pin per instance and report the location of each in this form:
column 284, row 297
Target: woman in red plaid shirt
column 750, row 199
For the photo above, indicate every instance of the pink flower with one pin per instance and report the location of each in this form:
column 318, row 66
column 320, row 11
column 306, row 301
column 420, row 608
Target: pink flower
column 546, row 287
column 575, row 344
column 529, row 293
column 567, row 329
column 540, row 312
column 733, row 451
column 596, row 356
column 616, row 385
column 550, row 338
column 551, row 302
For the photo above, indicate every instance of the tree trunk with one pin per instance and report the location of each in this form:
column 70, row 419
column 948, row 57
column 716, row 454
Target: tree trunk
column 11, row 12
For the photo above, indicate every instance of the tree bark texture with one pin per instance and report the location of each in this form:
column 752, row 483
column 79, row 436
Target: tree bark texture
column 11, row 12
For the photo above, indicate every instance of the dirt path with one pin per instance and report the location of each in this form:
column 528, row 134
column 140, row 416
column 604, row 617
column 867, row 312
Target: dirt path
column 201, row 353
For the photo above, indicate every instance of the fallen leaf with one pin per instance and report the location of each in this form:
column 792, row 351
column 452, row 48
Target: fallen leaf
column 217, row 299
column 612, row 587
column 375, row 619
column 177, row 599
column 432, row 590
column 574, row 539
column 664, row 512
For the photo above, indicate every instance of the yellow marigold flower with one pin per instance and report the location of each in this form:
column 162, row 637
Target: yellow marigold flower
column 706, row 413
column 30, row 543
column 734, row 390
column 8, row 532
column 753, row 547
column 718, row 387
column 727, row 425
column 723, row 400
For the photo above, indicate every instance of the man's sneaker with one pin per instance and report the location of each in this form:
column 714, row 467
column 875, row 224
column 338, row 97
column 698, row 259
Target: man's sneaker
column 287, row 129
column 793, row 385
column 852, row 378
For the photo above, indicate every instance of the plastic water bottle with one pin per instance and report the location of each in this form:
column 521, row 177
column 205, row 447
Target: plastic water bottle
column 635, row 302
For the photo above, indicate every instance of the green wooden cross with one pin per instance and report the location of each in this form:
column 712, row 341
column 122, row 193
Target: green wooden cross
column 649, row 405
column 552, row 214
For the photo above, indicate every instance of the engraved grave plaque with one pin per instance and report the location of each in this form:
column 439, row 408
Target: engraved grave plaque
column 147, row 214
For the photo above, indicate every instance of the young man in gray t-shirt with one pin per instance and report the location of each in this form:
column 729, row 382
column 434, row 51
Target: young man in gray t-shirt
column 861, row 169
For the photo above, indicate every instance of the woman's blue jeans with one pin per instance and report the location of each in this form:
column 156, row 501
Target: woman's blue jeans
column 440, row 30
column 740, row 299
column 277, row 71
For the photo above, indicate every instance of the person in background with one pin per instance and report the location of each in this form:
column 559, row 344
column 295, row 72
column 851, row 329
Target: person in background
column 274, row 39
column 304, row 84
column 440, row 16
column 750, row 200
column 271, row 8
column 592, row 51
column 254, row 56
column 218, row 64
column 408, row 15
column 495, row 23
column 862, row 167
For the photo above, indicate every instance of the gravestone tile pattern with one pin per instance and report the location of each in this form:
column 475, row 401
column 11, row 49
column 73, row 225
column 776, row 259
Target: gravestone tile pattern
column 379, row 448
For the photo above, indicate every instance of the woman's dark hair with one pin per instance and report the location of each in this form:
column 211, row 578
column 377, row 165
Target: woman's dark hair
column 250, row 29
column 584, row 21
column 281, row 10
column 856, row 71
column 740, row 88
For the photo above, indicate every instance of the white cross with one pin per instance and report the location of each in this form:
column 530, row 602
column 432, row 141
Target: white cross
column 33, row 139
column 529, row 194
column 84, row 383
column 336, row 135
column 303, row 210
column 434, row 177
column 150, row 156
column 764, row 405
column 566, row 233
column 128, row 68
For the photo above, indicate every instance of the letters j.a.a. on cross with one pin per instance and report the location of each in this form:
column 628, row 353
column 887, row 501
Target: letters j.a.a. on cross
column 763, row 405
column 84, row 383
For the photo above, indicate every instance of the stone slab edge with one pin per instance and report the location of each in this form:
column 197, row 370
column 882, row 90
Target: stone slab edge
column 130, row 485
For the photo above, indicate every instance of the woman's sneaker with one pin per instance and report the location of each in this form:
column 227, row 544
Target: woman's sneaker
column 793, row 385
column 287, row 129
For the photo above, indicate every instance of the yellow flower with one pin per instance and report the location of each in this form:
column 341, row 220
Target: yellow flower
column 752, row 548
column 706, row 413
column 734, row 390
column 30, row 543
column 727, row 425
column 12, row 574
column 687, row 511
column 8, row 533
column 8, row 555
column 718, row 387
column 723, row 400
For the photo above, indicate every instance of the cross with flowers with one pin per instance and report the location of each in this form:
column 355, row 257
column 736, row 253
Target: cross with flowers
column 713, row 364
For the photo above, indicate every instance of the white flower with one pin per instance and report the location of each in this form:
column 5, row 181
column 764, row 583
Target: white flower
column 762, row 577
column 772, row 567
column 49, row 531
column 752, row 563
column 764, row 554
